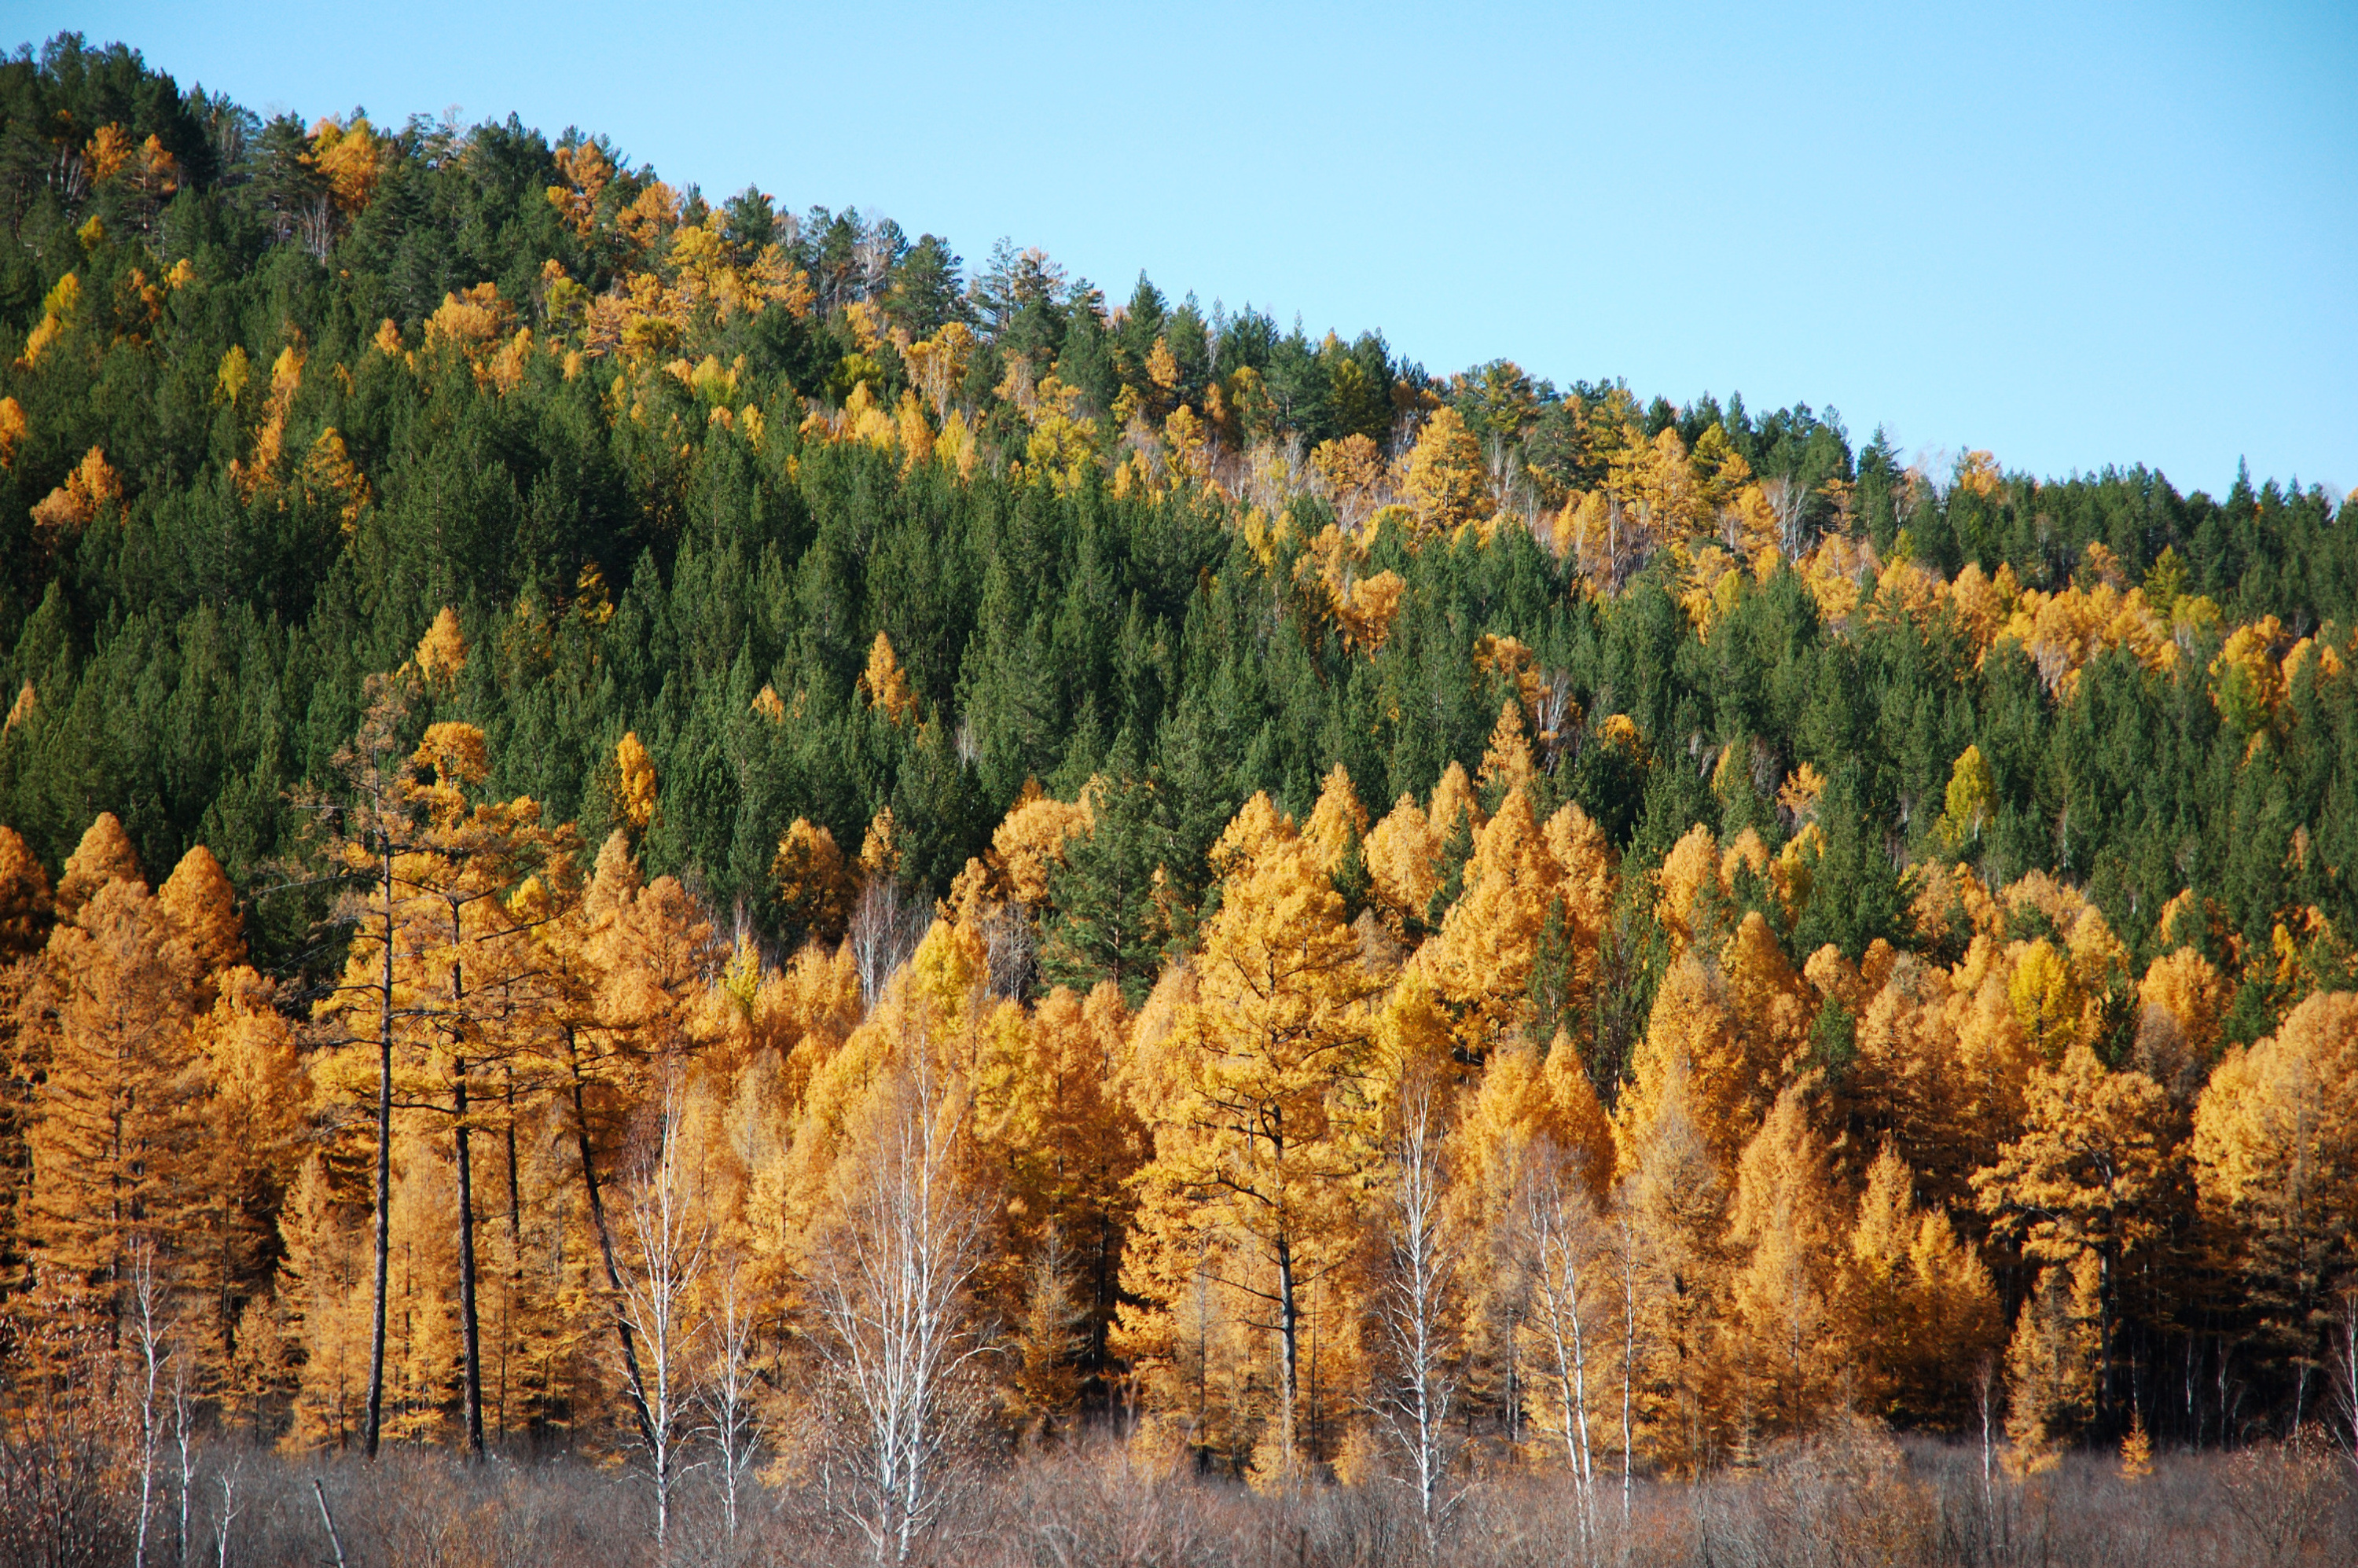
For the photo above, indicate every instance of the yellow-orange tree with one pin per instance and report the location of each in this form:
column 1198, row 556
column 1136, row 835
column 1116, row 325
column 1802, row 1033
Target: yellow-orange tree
column 435, row 978
column 2275, row 1161
column 115, row 1129
column 1268, row 1137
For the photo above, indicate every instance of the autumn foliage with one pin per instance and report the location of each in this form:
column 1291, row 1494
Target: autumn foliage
column 699, row 839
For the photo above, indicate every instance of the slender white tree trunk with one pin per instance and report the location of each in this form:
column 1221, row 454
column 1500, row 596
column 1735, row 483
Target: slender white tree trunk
column 728, row 1394
column 1563, row 1240
column 1627, row 1264
column 666, row 1239
column 146, row 1306
column 890, row 1291
column 183, row 1434
column 1413, row 1314
column 228, row 1515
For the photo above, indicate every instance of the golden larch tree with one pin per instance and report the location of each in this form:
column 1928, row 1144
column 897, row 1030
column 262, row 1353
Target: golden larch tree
column 116, row 1132
column 1490, row 937
column 1261, row 1159
column 2084, row 1188
column 2276, row 1163
column 1785, row 1319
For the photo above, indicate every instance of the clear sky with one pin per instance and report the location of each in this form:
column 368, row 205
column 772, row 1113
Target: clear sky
column 2075, row 234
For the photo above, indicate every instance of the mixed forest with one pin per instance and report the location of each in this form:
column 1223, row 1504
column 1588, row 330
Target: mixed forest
column 659, row 830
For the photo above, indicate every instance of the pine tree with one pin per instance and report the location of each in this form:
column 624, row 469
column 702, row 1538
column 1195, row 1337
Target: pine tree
column 2275, row 1161
column 252, row 1116
column 325, row 1291
column 2053, row 1363
column 1918, row 1305
column 25, row 922
column 1106, row 924
column 1258, row 1161
column 116, row 1132
column 1401, row 854
column 2083, row 1190
column 1670, row 1207
column 1490, row 940
column 1784, row 1318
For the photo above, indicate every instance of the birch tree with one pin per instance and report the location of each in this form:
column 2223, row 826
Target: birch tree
column 1571, row 1260
column 1416, row 1313
column 892, row 1288
column 665, row 1241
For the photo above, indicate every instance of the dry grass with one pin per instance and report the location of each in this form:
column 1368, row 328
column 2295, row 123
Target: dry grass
column 1855, row 1499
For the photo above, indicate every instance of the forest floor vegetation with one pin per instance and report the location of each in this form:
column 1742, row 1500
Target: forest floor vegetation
column 1856, row 1497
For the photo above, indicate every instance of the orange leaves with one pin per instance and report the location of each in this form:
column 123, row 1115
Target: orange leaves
column 1373, row 603
column 24, row 905
column 203, row 908
column 1972, row 797
column 441, row 652
column 455, row 755
column 1362, row 607
column 469, row 320
column 651, row 214
column 103, row 855
column 1918, row 1303
column 350, row 158
column 474, row 323
column 1689, row 870
column 1787, row 1334
column 1978, row 473
column 328, row 474
column 2090, row 1156
column 711, row 281
column 146, row 164
column 1062, row 445
column 884, row 685
column 1353, row 473
column 1444, row 481
column 586, row 172
column 2247, row 683
column 1508, row 657
column 1506, row 761
column 1659, row 485
column 2062, row 631
column 814, row 886
column 1981, row 603
column 75, row 504
column 634, row 783
column 1489, row 938
column 1258, row 1153
column 879, row 849
column 1162, row 366
column 108, row 151
column 1714, row 583
column 270, row 438
column 60, row 308
column 1834, row 574
column 2278, row 1126
column 1030, row 843
column 12, row 428
column 938, row 364
column 2184, row 987
column 1337, row 823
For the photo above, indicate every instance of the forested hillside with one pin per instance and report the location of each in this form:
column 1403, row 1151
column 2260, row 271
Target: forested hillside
column 1360, row 879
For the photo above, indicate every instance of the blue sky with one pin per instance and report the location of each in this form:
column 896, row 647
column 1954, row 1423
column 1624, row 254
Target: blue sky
column 2077, row 235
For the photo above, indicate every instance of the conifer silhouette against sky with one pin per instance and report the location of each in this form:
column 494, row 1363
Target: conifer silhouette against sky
column 2074, row 234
